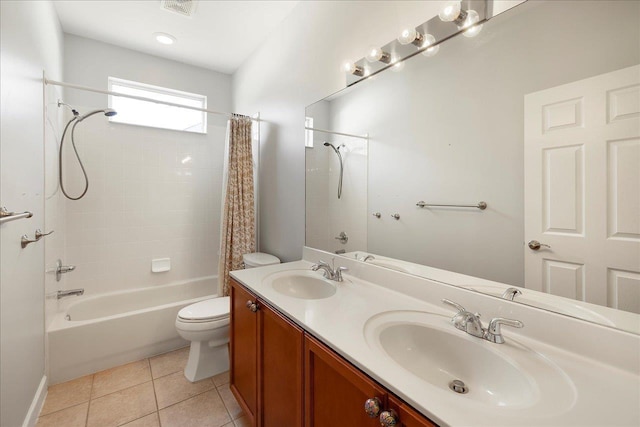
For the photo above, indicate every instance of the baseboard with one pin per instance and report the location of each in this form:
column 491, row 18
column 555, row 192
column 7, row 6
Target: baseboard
column 36, row 405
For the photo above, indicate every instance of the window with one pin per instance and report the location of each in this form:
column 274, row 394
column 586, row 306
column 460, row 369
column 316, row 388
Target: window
column 145, row 113
column 308, row 133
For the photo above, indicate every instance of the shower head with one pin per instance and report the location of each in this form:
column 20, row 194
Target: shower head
column 107, row 112
column 328, row 144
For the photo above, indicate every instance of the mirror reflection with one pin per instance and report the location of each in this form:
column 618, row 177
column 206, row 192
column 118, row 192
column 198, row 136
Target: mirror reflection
column 538, row 118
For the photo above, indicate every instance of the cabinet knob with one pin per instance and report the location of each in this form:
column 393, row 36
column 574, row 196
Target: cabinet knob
column 372, row 407
column 388, row 418
column 253, row 306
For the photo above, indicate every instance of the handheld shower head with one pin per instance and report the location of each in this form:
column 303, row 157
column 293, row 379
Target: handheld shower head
column 107, row 112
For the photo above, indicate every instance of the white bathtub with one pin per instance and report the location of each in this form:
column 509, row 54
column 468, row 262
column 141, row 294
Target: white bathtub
column 100, row 332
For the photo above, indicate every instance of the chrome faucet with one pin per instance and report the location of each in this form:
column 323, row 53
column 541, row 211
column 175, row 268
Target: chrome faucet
column 368, row 257
column 511, row 293
column 330, row 273
column 471, row 324
column 76, row 292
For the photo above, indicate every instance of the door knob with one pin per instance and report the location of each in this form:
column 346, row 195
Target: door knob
column 253, row 306
column 535, row 245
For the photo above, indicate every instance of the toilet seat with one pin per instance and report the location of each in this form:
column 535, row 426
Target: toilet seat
column 206, row 311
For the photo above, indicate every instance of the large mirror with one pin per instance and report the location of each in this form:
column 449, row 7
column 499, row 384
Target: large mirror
column 538, row 117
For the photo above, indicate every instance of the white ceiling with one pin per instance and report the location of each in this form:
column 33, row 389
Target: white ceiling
column 219, row 36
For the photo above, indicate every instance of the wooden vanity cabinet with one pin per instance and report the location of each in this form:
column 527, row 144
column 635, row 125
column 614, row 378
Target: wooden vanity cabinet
column 407, row 416
column 243, row 349
column 283, row 377
column 335, row 392
column 266, row 362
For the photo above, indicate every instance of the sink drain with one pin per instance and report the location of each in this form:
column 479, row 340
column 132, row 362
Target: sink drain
column 458, row 386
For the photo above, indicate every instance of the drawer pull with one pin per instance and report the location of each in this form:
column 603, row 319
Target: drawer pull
column 253, row 306
column 372, row 407
column 389, row 418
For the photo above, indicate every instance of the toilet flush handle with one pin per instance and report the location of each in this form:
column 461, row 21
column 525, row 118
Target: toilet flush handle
column 253, row 306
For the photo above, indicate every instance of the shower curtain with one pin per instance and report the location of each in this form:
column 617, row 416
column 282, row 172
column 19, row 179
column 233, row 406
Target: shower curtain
column 238, row 227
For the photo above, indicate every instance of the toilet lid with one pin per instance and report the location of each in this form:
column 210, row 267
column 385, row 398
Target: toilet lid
column 259, row 259
column 211, row 309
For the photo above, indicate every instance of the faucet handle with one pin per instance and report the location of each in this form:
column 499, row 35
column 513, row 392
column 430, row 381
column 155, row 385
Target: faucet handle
column 457, row 306
column 494, row 333
column 338, row 273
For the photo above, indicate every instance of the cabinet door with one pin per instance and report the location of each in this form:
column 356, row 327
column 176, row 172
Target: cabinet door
column 407, row 416
column 243, row 346
column 335, row 391
column 280, row 350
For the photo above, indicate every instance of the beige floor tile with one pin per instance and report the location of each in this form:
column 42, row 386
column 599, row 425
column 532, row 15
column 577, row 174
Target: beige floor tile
column 242, row 422
column 230, row 402
column 204, row 410
column 123, row 406
column 231, row 424
column 221, row 379
column 175, row 388
column 75, row 416
column 120, row 377
column 169, row 363
column 148, row 421
column 67, row 394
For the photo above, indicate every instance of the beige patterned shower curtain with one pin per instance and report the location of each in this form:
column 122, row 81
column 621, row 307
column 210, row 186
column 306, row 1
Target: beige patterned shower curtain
column 238, row 228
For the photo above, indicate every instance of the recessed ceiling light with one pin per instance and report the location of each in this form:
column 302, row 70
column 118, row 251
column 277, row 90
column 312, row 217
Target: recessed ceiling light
column 164, row 38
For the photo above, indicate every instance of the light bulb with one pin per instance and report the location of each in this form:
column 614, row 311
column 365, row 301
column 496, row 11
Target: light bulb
column 428, row 41
column 470, row 26
column 410, row 36
column 376, row 54
column 352, row 68
column 450, row 11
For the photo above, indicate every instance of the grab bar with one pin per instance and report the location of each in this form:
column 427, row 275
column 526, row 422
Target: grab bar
column 481, row 205
column 6, row 216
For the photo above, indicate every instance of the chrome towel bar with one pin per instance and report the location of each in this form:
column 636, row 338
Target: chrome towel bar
column 481, row 205
column 6, row 216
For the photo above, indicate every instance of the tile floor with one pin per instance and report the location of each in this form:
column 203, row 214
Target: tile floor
column 148, row 393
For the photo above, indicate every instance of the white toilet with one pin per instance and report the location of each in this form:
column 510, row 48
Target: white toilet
column 206, row 325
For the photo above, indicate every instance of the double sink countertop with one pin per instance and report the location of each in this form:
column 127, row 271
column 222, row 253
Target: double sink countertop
column 393, row 327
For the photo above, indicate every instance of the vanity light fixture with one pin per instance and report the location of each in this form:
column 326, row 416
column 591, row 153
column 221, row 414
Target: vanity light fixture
column 428, row 41
column 164, row 38
column 410, row 36
column 352, row 68
column 377, row 54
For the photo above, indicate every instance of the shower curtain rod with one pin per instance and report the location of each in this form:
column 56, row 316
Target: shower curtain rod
column 365, row 136
column 140, row 98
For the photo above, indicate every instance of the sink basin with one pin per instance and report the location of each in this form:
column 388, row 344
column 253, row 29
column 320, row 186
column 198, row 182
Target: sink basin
column 496, row 375
column 302, row 284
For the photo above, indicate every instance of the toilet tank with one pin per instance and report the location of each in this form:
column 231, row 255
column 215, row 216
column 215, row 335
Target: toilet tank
column 259, row 259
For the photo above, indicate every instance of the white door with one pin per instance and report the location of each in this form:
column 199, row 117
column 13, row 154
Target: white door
column 582, row 189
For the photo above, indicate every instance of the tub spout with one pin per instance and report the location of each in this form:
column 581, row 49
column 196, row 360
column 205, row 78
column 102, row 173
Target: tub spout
column 77, row 292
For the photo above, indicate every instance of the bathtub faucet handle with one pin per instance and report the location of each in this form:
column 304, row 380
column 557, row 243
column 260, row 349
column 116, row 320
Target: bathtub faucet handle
column 62, row 269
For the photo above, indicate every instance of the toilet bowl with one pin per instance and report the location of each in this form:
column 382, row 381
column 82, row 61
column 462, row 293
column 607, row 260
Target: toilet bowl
column 206, row 325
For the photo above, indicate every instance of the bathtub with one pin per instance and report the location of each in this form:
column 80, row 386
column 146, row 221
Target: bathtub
column 99, row 332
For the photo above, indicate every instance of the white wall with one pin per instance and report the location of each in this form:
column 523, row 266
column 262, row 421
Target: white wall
column 153, row 193
column 297, row 65
column 31, row 41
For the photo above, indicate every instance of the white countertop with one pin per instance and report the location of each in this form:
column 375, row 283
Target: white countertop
column 601, row 393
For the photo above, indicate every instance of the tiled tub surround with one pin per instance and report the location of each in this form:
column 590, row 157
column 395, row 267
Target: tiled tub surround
column 145, row 393
column 114, row 328
column 603, row 380
column 153, row 193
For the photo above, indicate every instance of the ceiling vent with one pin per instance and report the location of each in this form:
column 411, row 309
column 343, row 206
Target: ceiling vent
column 181, row 7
